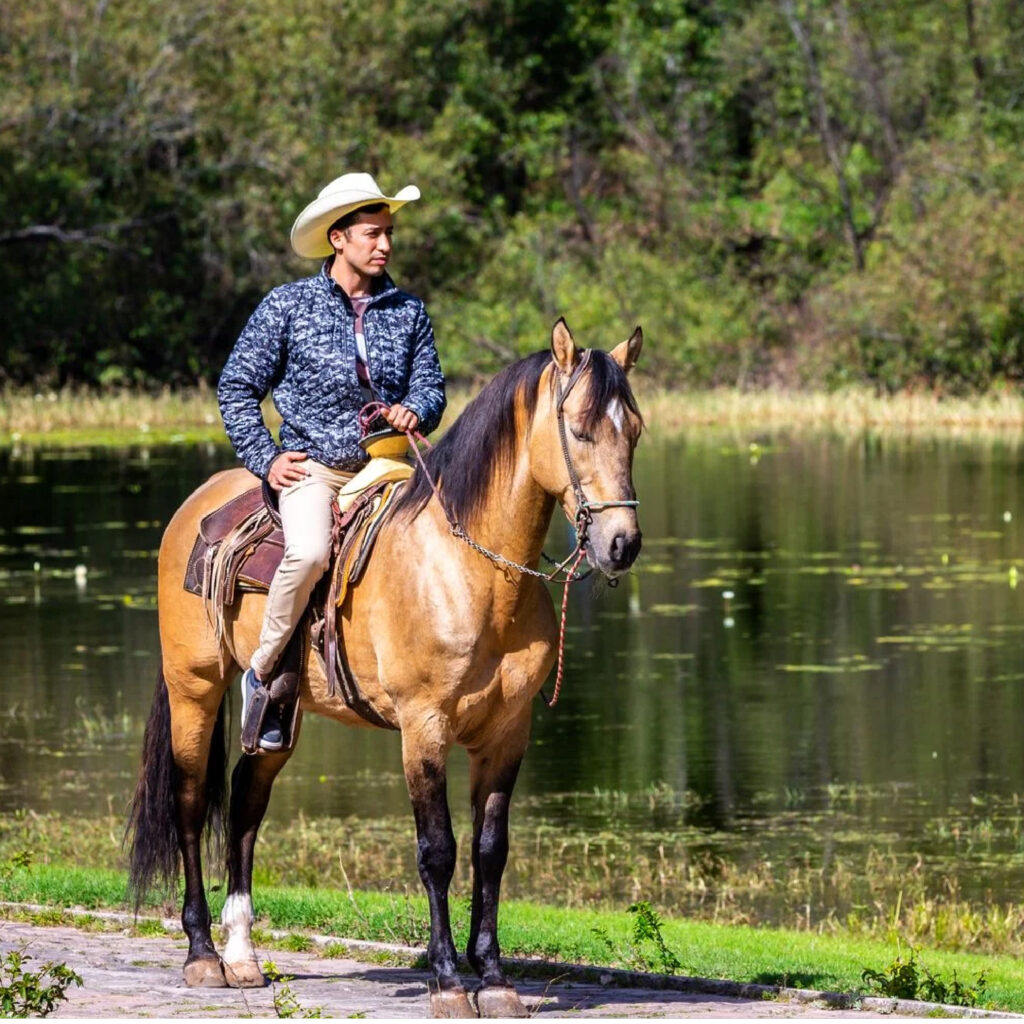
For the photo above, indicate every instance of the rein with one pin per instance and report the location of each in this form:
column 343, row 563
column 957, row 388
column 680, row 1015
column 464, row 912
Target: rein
column 585, row 509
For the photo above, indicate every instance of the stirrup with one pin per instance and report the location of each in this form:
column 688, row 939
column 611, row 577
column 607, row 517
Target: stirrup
column 256, row 703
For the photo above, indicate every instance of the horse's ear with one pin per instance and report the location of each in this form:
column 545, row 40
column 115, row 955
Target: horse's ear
column 628, row 352
column 563, row 348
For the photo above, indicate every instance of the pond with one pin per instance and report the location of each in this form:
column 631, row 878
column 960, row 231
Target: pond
column 819, row 649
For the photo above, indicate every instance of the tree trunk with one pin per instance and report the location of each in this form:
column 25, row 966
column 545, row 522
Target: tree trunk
column 819, row 110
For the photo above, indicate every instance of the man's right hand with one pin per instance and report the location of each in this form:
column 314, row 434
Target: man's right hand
column 285, row 470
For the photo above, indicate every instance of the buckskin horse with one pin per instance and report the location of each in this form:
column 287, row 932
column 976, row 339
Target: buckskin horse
column 449, row 641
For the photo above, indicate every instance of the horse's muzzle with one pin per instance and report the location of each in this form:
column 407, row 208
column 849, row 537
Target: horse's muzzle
column 619, row 554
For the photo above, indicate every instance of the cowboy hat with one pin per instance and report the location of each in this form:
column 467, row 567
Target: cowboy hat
column 341, row 196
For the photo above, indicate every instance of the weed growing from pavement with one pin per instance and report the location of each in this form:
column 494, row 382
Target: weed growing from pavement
column 334, row 950
column 26, row 993
column 285, row 1002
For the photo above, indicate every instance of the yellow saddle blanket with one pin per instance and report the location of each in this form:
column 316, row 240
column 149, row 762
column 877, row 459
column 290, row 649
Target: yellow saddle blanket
column 376, row 471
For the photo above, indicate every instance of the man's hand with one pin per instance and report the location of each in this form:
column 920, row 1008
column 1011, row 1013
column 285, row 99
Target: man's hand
column 285, row 470
column 401, row 418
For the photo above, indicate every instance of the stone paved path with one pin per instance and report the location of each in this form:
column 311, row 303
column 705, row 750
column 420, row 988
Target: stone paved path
column 128, row 977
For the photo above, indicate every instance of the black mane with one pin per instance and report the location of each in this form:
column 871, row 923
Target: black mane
column 482, row 440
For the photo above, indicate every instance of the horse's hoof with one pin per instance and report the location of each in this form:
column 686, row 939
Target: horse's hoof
column 246, row 974
column 500, row 1001
column 450, row 1002
column 205, row 972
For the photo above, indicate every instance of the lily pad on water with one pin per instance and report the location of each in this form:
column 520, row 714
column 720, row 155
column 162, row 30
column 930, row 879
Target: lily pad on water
column 877, row 584
column 865, row 666
column 672, row 609
column 85, row 488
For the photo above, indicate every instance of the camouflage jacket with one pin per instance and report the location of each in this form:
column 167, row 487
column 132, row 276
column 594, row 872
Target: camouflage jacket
column 300, row 346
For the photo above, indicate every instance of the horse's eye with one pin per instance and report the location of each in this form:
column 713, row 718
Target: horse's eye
column 580, row 436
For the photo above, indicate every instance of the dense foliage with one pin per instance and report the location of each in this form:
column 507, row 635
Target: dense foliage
column 817, row 191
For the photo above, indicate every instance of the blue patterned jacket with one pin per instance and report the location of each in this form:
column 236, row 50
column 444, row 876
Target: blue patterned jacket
column 300, row 345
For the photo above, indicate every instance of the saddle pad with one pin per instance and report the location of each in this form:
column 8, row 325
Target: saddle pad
column 378, row 470
column 354, row 555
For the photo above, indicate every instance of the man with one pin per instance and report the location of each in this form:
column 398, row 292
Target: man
column 324, row 347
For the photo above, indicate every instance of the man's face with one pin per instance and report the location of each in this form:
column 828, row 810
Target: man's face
column 366, row 245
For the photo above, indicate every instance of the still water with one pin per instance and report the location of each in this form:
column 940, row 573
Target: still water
column 812, row 620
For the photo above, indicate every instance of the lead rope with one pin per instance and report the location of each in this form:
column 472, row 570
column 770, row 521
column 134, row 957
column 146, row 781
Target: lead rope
column 553, row 700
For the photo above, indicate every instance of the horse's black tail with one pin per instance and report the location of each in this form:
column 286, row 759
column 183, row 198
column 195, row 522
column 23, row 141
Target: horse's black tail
column 152, row 830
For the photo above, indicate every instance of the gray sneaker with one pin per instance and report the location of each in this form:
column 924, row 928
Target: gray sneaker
column 271, row 732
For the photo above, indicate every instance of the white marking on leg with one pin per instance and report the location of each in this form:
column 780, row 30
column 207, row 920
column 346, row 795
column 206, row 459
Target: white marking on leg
column 237, row 918
column 615, row 414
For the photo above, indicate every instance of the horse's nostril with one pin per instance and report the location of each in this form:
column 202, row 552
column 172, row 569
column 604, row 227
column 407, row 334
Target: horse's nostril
column 625, row 548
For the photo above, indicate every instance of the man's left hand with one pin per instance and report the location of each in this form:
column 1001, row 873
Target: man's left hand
column 401, row 418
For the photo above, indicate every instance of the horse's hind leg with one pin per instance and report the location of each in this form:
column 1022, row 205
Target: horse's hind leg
column 192, row 732
column 251, row 783
column 424, row 756
column 493, row 774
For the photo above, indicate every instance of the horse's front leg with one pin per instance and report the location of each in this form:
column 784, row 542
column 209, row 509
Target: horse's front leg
column 493, row 772
column 251, row 783
column 424, row 757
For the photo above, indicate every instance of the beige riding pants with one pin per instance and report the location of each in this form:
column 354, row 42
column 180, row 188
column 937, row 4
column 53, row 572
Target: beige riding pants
column 306, row 520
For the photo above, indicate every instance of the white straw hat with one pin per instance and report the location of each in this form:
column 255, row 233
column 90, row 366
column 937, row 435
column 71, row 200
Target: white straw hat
column 341, row 196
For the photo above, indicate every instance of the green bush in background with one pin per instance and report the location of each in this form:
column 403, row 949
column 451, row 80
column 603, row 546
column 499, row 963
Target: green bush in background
column 804, row 192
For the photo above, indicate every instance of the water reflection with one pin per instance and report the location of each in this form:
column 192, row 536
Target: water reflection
column 813, row 617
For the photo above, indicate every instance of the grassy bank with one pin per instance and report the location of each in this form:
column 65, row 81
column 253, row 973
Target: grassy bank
column 863, row 891
column 77, row 417
column 591, row 937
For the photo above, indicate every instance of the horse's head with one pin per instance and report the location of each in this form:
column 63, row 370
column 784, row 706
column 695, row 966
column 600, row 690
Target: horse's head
column 581, row 448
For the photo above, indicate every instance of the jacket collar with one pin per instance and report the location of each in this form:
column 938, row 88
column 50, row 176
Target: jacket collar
column 382, row 286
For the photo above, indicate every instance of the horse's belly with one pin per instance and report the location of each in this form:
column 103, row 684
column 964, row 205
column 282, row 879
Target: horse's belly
column 313, row 693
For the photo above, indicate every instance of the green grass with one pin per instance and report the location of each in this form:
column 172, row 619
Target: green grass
column 739, row 953
column 864, row 891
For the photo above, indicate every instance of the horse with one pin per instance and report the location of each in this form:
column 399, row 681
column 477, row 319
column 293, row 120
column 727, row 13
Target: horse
column 450, row 634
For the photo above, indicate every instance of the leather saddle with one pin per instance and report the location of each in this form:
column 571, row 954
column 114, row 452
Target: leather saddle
column 251, row 525
column 238, row 549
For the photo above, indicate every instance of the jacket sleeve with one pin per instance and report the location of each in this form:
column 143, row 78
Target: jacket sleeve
column 425, row 395
column 247, row 376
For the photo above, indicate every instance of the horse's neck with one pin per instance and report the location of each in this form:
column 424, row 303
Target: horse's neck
column 515, row 518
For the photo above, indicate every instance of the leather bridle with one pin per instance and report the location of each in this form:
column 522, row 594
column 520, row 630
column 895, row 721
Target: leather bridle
column 585, row 509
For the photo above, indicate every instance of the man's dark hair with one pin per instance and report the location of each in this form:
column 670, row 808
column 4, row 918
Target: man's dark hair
column 350, row 218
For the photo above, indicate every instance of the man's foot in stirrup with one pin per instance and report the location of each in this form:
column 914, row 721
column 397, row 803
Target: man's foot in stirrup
column 271, row 732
